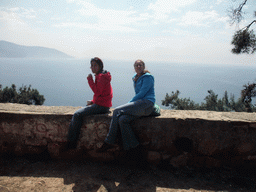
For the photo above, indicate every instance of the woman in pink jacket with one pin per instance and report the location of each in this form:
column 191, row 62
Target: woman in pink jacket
column 102, row 101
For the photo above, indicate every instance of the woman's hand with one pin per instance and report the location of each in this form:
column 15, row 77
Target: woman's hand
column 89, row 76
column 89, row 102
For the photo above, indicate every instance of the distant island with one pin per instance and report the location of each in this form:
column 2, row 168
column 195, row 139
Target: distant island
column 12, row 50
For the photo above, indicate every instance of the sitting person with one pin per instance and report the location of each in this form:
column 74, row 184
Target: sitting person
column 142, row 104
column 102, row 101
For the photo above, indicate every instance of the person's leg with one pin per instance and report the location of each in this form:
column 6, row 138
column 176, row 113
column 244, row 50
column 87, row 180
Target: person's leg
column 77, row 120
column 122, row 116
column 128, row 136
column 113, row 129
column 136, row 109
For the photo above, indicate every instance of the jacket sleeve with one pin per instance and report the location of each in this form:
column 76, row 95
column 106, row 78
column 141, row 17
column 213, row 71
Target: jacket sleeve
column 148, row 82
column 97, row 87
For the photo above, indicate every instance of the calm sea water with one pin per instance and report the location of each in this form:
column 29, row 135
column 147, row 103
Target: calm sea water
column 64, row 82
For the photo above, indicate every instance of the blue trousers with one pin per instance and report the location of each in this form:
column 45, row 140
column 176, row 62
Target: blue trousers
column 77, row 119
column 121, row 119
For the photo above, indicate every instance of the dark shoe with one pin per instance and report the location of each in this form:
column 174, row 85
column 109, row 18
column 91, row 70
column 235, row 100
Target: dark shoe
column 104, row 147
column 67, row 146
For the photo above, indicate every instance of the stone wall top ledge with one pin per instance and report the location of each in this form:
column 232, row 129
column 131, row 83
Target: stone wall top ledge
column 177, row 114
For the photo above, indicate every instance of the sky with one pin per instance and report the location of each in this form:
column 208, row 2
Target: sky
column 180, row 31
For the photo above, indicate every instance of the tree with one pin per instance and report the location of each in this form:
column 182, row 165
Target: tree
column 212, row 103
column 246, row 95
column 244, row 40
column 175, row 102
column 25, row 95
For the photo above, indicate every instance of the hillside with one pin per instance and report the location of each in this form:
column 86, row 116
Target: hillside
column 12, row 50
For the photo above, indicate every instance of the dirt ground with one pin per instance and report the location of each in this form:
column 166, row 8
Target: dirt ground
column 34, row 173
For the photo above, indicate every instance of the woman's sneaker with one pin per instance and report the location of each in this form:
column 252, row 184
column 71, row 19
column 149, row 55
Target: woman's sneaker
column 105, row 147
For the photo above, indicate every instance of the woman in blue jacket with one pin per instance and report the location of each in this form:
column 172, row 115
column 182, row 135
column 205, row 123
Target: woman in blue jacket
column 142, row 104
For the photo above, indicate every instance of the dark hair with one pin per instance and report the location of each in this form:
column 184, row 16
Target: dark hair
column 142, row 62
column 99, row 62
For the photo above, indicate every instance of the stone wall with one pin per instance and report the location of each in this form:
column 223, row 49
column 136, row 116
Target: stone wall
column 177, row 138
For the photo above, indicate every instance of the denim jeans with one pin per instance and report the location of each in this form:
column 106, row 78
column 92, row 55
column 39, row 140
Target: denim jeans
column 121, row 119
column 77, row 119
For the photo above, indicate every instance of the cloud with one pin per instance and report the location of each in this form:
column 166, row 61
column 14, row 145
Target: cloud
column 99, row 27
column 125, row 20
column 106, row 19
column 219, row 2
column 162, row 8
column 22, row 12
column 166, row 6
column 28, row 13
column 196, row 18
column 14, row 9
column 111, row 17
column 12, row 21
column 15, row 26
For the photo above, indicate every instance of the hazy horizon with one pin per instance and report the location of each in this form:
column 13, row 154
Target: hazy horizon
column 63, row 81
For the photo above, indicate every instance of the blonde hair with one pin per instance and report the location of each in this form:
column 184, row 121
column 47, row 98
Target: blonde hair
column 142, row 62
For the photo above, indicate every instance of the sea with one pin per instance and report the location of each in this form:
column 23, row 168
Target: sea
column 63, row 82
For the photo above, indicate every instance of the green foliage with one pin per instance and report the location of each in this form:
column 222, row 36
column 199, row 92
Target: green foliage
column 175, row 102
column 25, row 95
column 246, row 96
column 213, row 103
column 244, row 41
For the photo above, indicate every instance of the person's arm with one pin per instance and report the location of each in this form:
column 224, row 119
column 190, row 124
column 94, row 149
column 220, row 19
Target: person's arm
column 90, row 102
column 91, row 82
column 148, row 82
column 98, row 87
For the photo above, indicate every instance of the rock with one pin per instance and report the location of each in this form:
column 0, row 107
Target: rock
column 154, row 157
column 180, row 161
column 4, row 189
column 102, row 189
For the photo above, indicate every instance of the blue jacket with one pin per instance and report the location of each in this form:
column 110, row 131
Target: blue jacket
column 144, row 88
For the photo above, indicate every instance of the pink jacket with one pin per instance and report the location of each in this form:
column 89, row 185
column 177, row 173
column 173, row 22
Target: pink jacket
column 102, row 89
